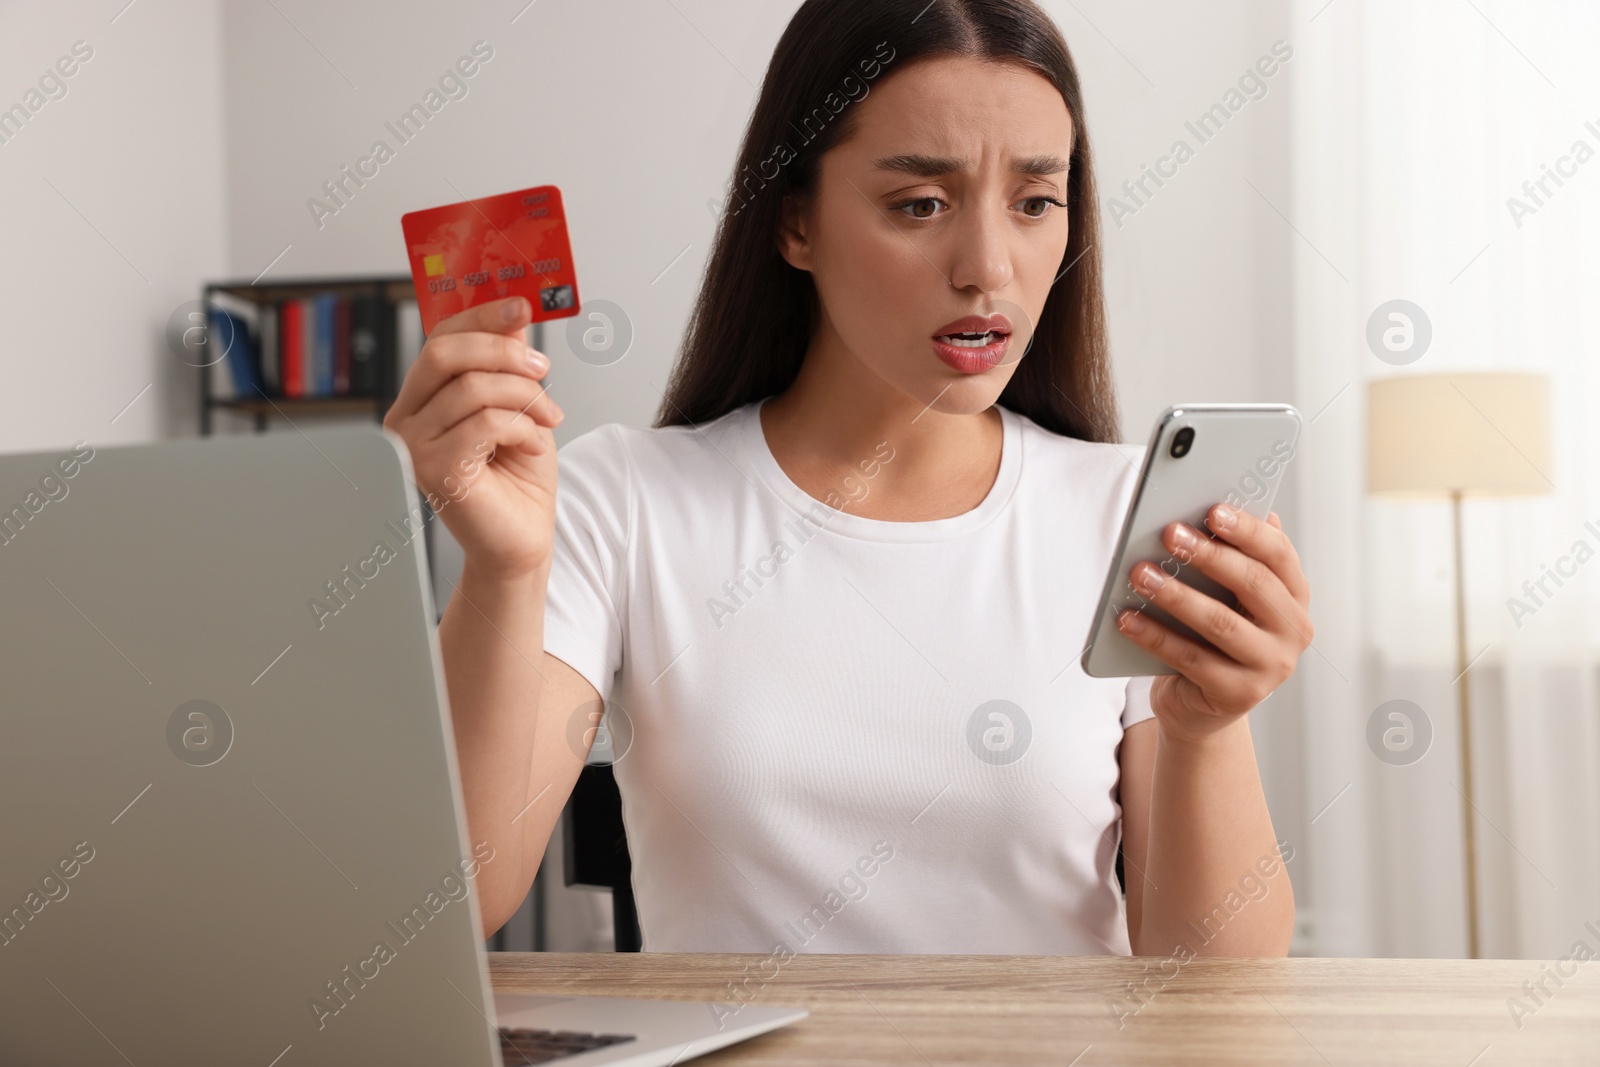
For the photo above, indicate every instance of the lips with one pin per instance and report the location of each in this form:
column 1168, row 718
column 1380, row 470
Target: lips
column 974, row 327
column 973, row 344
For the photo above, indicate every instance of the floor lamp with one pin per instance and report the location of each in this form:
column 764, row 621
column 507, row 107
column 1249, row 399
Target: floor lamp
column 1456, row 435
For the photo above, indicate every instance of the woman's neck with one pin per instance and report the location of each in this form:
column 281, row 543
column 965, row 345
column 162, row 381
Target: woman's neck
column 828, row 430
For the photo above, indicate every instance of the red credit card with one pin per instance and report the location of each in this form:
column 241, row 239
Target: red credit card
column 463, row 255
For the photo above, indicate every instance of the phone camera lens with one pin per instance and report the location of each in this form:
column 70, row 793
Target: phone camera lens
column 1182, row 441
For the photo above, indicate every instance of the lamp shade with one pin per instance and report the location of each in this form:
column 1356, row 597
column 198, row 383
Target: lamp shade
column 1484, row 434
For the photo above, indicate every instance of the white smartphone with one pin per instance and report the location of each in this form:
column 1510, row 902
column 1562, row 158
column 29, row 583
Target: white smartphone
column 1199, row 455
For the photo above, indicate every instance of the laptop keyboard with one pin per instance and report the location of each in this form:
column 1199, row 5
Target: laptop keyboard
column 523, row 1045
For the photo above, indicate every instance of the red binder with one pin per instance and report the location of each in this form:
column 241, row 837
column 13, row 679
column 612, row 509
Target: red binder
column 289, row 337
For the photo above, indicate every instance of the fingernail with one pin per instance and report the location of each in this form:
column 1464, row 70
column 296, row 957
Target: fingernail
column 1186, row 542
column 537, row 360
column 1130, row 622
column 560, row 415
column 1222, row 515
column 1149, row 579
column 512, row 311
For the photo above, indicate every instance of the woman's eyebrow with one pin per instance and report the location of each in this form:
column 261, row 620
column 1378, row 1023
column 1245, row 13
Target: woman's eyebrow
column 922, row 166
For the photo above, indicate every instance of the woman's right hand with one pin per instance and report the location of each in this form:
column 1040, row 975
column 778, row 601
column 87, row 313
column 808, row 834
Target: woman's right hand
column 476, row 418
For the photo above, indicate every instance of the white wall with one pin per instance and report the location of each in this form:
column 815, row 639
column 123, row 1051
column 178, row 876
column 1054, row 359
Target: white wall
column 1197, row 278
column 112, row 210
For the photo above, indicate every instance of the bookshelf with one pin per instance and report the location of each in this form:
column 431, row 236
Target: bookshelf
column 268, row 401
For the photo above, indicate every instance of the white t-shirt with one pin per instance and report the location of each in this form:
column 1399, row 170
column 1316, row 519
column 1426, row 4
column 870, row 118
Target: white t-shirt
column 844, row 734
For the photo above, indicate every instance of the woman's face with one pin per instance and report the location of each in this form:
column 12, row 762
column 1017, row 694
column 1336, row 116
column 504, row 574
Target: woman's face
column 947, row 202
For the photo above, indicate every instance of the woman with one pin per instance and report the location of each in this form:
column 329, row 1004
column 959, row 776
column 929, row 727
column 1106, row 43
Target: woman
column 835, row 598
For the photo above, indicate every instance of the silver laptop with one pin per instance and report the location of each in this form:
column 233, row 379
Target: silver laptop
column 230, row 824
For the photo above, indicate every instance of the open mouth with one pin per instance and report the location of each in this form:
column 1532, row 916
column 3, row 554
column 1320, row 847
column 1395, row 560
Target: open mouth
column 972, row 340
column 973, row 344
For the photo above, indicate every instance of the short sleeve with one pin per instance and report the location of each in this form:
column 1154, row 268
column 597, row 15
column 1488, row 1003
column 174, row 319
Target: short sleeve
column 585, row 600
column 1136, row 708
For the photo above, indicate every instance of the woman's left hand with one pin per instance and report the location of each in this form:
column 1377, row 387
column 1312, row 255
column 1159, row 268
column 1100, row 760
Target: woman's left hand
column 1259, row 644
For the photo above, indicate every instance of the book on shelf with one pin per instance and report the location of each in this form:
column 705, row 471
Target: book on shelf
column 341, row 348
column 231, row 344
column 323, row 311
column 289, row 329
column 329, row 344
column 367, row 335
column 271, row 382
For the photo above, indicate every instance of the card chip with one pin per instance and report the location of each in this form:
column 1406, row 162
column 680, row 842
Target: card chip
column 434, row 265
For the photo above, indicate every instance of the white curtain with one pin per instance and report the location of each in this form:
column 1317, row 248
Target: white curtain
column 1415, row 122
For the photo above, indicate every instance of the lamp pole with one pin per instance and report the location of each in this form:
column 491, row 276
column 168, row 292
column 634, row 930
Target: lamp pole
column 1469, row 809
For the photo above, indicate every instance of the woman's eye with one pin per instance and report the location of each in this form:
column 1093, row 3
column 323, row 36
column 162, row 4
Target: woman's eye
column 914, row 205
column 1044, row 204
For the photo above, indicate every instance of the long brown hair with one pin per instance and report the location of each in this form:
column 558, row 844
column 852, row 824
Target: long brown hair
column 752, row 321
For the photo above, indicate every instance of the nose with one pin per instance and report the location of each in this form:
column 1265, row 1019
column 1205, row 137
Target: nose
column 980, row 256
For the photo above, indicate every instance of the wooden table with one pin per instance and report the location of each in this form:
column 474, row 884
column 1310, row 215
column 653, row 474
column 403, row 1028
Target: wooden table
column 1058, row 1010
